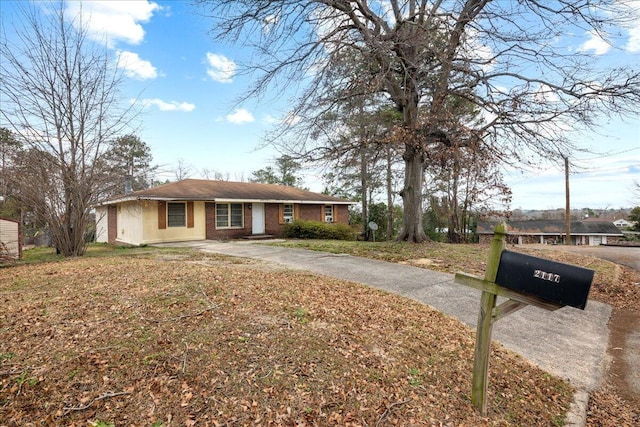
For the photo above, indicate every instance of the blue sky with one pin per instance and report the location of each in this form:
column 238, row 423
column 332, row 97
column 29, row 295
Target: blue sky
column 188, row 84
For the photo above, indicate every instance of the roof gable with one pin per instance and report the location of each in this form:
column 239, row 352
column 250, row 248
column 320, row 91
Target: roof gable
column 207, row 190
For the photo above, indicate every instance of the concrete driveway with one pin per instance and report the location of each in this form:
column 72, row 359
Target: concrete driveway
column 569, row 343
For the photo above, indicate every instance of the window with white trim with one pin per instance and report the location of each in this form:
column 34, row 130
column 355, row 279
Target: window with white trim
column 176, row 214
column 229, row 215
column 328, row 213
column 287, row 213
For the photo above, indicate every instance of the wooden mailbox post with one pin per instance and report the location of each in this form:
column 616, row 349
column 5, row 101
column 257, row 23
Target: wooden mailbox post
column 524, row 280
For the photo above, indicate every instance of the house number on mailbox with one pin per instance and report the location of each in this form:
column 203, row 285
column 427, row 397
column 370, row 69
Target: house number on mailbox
column 551, row 277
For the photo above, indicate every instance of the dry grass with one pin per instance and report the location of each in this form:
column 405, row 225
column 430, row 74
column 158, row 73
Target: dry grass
column 162, row 338
column 612, row 283
column 614, row 404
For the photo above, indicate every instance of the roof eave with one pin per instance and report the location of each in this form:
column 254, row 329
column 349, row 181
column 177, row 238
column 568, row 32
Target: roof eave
column 223, row 200
column 293, row 201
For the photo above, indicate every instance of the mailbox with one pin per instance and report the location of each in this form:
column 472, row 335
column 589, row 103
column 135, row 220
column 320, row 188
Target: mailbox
column 553, row 281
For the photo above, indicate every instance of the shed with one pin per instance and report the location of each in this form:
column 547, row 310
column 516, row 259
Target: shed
column 10, row 239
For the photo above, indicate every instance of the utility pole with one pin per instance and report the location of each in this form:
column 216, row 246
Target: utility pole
column 567, row 213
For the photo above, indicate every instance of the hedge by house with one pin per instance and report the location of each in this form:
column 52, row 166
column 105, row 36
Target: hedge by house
column 318, row 230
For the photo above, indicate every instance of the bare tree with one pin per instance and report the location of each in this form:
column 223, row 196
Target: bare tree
column 59, row 95
column 466, row 177
column 213, row 174
column 635, row 189
column 182, row 170
column 499, row 55
column 465, row 180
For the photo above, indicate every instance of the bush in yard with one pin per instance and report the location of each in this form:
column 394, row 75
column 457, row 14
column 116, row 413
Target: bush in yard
column 318, row 230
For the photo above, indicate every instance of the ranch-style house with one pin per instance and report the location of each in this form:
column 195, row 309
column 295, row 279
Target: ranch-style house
column 591, row 233
column 194, row 209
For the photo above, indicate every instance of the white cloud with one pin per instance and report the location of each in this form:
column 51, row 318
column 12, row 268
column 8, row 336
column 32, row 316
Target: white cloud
column 136, row 67
column 292, row 119
column 633, row 45
column 597, row 44
column 220, row 68
column 240, row 116
column 544, row 94
column 114, row 21
column 481, row 54
column 268, row 119
column 168, row 106
column 631, row 10
column 269, row 22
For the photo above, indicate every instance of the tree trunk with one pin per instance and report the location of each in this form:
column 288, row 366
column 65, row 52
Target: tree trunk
column 412, row 229
column 364, row 189
column 414, row 162
column 389, row 196
column 454, row 226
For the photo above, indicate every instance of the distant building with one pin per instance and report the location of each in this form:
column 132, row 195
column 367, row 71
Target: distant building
column 623, row 223
column 590, row 232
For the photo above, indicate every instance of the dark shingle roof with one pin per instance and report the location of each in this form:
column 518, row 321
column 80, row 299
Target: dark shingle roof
column 539, row 227
column 200, row 189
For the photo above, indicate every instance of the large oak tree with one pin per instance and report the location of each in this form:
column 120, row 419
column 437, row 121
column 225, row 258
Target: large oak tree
column 502, row 56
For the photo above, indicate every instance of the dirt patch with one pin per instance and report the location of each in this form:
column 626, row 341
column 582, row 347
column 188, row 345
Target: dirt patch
column 422, row 262
column 622, row 375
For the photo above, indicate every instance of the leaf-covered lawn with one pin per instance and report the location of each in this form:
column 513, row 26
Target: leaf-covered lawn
column 155, row 339
column 612, row 283
column 432, row 255
column 614, row 404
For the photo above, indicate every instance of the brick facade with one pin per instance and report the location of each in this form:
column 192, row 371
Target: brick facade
column 273, row 224
column 311, row 212
column 112, row 224
column 341, row 213
column 229, row 233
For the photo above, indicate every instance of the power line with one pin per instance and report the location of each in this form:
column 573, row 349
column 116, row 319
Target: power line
column 604, row 156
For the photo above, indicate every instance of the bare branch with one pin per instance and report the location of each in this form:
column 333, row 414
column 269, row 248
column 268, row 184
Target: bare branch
column 501, row 56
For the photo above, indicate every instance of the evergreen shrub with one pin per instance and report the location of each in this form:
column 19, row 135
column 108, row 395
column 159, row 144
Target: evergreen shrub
column 318, row 230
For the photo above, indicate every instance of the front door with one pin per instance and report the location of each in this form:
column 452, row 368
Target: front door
column 257, row 218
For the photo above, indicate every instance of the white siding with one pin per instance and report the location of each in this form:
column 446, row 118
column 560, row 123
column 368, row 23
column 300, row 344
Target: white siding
column 130, row 223
column 102, row 225
column 595, row 240
column 9, row 238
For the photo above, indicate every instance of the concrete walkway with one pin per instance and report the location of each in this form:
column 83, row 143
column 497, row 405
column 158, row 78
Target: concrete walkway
column 569, row 343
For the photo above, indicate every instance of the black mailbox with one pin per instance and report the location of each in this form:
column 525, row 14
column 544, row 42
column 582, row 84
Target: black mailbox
column 553, row 281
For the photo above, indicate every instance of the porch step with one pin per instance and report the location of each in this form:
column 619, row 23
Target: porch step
column 258, row 237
